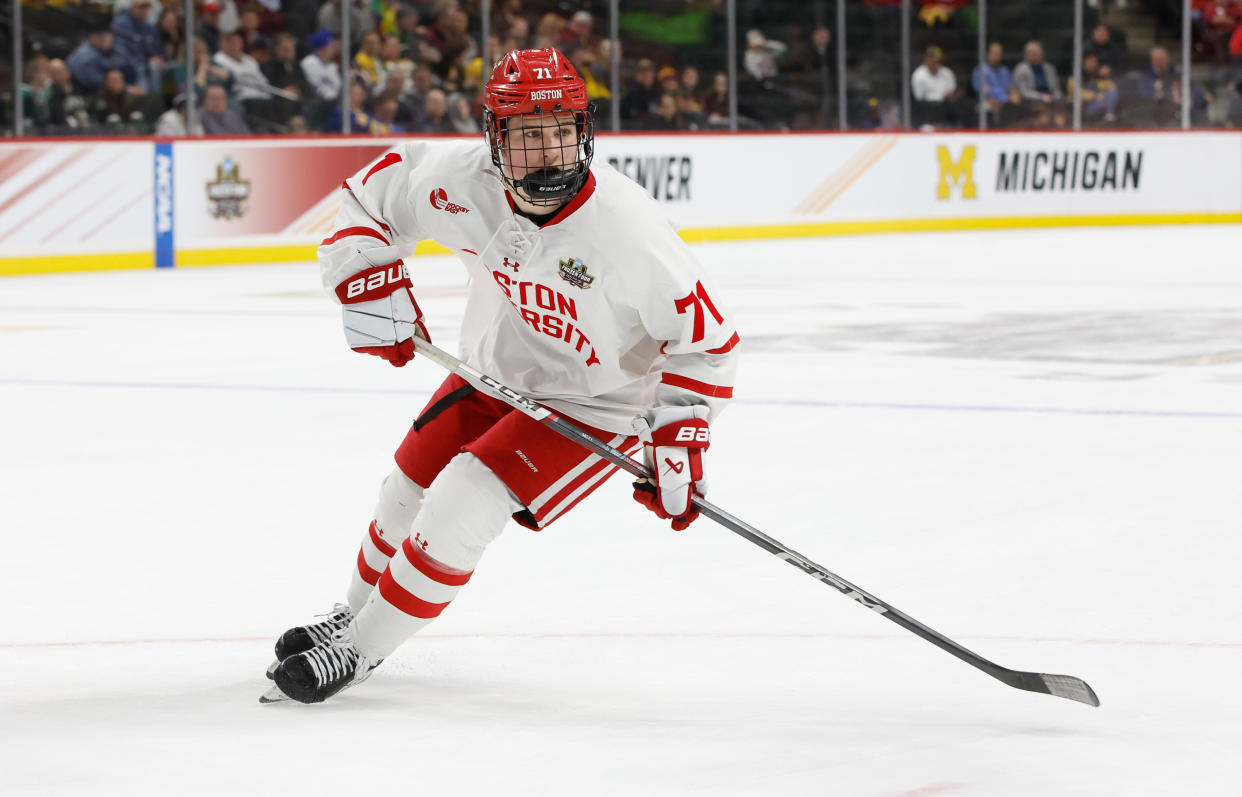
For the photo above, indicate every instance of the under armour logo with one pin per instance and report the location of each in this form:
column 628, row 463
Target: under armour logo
column 513, row 264
column 418, row 540
column 676, row 466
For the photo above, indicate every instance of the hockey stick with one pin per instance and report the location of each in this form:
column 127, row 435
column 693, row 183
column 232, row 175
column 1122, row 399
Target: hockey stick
column 1066, row 686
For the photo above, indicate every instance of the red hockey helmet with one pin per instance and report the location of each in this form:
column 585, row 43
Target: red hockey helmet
column 543, row 84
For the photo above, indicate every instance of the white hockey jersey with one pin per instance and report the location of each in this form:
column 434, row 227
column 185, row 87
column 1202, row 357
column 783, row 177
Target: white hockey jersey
column 601, row 313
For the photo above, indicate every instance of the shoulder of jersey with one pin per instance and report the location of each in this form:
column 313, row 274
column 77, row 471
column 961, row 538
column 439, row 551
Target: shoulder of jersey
column 446, row 157
column 623, row 199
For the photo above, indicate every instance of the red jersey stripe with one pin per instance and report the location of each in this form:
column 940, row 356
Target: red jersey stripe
column 440, row 573
column 384, row 547
column 384, row 163
column 399, row 597
column 711, row 391
column 368, row 574
column 733, row 341
column 348, row 231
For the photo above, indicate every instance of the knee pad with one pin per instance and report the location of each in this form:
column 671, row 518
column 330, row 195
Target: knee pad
column 397, row 506
column 463, row 510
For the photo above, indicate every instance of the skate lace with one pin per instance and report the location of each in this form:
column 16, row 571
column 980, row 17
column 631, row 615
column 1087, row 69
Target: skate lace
column 332, row 662
column 333, row 621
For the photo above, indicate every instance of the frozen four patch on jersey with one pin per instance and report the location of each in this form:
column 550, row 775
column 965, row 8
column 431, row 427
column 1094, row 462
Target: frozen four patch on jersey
column 574, row 271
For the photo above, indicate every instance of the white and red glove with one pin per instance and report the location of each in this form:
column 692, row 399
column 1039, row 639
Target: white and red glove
column 675, row 439
column 378, row 308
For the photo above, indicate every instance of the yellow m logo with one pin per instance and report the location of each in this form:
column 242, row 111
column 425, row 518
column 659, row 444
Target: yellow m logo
column 963, row 171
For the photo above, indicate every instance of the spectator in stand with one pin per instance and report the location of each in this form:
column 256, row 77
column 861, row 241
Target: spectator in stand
column 1235, row 47
column 367, row 60
column 136, row 39
column 667, row 80
column 691, row 111
column 94, row 58
column 1159, row 90
column 1099, row 91
column 435, row 115
column 715, row 101
column 248, row 26
column 549, row 30
column 386, row 108
column 666, row 115
column 360, row 119
column 66, row 106
column 460, row 113
column 173, row 122
column 205, row 73
column 395, row 85
column 640, row 95
column 320, row 67
column 934, row 89
column 1040, row 88
column 207, row 25
column 217, row 118
column 689, row 82
column 1213, row 23
column 285, row 73
column 116, row 104
column 450, row 37
column 249, row 83
column 761, row 54
column 392, row 61
column 579, row 32
column 37, row 93
column 360, row 21
column 1105, row 46
column 594, row 74
column 171, row 28
column 996, row 91
column 423, row 80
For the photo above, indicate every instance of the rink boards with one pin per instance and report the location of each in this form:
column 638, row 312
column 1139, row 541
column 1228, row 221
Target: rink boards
column 85, row 205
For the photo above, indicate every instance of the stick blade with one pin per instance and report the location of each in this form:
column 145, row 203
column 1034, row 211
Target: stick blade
column 1069, row 687
column 1066, row 686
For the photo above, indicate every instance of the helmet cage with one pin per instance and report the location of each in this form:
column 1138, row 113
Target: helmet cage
column 539, row 186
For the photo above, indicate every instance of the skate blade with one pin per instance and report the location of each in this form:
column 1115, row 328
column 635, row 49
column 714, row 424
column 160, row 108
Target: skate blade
column 271, row 669
column 273, row 695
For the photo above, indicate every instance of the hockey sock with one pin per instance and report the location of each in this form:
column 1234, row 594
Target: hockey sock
column 462, row 512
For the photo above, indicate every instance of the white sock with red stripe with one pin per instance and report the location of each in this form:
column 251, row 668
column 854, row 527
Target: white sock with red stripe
column 465, row 508
column 395, row 510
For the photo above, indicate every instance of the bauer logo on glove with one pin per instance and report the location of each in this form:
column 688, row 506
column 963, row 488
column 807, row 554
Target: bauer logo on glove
column 378, row 307
column 675, row 439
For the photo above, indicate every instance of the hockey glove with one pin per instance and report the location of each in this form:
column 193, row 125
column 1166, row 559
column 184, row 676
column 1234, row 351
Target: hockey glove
column 675, row 439
column 378, row 308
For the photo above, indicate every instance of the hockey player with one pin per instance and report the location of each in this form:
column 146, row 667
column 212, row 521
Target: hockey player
column 581, row 296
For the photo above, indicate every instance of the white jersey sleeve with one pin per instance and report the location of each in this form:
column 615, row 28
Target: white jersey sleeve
column 375, row 212
column 682, row 308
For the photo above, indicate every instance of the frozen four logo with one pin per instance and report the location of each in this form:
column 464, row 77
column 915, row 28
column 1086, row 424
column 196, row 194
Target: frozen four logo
column 228, row 192
column 574, row 271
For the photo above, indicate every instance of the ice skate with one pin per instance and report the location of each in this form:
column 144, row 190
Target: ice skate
column 319, row 673
column 304, row 637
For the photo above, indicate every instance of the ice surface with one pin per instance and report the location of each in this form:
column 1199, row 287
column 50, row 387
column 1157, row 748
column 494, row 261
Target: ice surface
column 1029, row 441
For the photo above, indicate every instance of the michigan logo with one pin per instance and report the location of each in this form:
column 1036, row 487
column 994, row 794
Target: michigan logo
column 960, row 172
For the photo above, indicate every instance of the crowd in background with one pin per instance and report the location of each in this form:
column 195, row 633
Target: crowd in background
column 417, row 66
